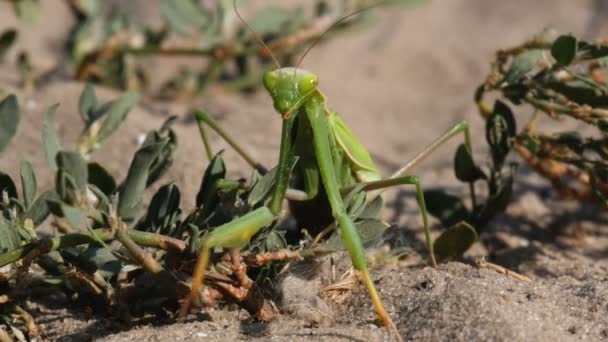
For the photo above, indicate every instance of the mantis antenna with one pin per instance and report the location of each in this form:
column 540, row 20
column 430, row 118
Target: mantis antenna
column 346, row 16
column 255, row 34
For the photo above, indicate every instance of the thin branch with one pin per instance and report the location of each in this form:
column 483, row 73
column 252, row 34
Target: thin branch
column 104, row 234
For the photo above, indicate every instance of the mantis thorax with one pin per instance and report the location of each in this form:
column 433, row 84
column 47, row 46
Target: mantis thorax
column 288, row 87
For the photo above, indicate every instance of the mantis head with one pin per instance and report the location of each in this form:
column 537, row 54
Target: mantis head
column 288, row 87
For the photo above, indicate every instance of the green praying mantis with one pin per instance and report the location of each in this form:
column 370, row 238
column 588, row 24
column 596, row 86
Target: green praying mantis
column 331, row 161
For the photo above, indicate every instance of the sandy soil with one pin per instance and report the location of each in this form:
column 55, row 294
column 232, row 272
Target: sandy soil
column 397, row 85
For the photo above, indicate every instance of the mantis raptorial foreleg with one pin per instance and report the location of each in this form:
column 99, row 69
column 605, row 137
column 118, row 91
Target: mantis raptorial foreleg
column 204, row 118
column 233, row 234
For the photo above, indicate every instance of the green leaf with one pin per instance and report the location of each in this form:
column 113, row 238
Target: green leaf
column 74, row 216
column 165, row 158
column 501, row 109
column 130, row 197
column 117, row 113
column 73, row 164
column 163, row 211
column 24, row 65
column 372, row 211
column 274, row 241
column 523, row 64
column 448, row 209
column 207, row 197
column 103, row 203
column 454, row 241
column 9, row 120
column 7, row 185
column 49, row 137
column 166, row 201
column 464, row 166
column 66, row 188
column 262, row 188
column 28, row 10
column 28, row 183
column 368, row 230
column 87, row 103
column 355, row 202
column 9, row 236
column 564, row 49
column 185, row 16
column 7, row 39
column 101, row 178
column 88, row 8
column 594, row 51
column 39, row 210
column 270, row 20
column 500, row 132
column 96, row 258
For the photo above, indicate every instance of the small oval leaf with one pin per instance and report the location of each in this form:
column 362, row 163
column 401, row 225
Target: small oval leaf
column 7, row 39
column 523, row 64
column 9, row 236
column 130, row 197
column 28, row 182
column 454, row 241
column 116, row 113
column 368, row 230
column 87, row 103
column 447, row 208
column 39, row 210
column 500, row 132
column 49, row 137
column 207, row 198
column 73, row 164
column 7, row 186
column 564, row 49
column 101, row 178
column 9, row 120
column 464, row 166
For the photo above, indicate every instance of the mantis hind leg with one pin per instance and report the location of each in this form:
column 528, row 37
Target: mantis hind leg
column 400, row 177
column 461, row 127
column 409, row 180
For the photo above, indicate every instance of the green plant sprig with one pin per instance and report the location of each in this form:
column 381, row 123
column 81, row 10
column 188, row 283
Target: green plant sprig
column 558, row 76
column 104, row 234
column 108, row 48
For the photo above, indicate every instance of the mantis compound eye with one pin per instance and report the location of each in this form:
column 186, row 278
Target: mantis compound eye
column 308, row 83
column 270, row 80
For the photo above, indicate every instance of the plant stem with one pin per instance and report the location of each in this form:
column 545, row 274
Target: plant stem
column 137, row 253
column 70, row 240
column 587, row 114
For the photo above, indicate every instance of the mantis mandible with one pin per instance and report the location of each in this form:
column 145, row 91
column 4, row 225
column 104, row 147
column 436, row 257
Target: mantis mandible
column 335, row 161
